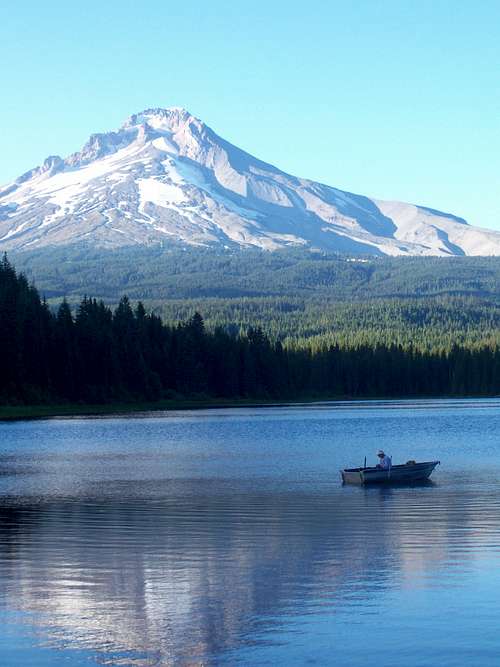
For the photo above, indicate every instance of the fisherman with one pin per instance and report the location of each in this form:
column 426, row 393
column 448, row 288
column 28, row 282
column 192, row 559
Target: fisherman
column 385, row 461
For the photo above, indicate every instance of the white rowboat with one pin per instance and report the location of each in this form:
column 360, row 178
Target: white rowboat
column 409, row 472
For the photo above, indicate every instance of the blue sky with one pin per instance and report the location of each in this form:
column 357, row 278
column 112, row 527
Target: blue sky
column 397, row 100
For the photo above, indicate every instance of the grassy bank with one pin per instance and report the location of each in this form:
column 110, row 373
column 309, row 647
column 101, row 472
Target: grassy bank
column 19, row 412
column 14, row 412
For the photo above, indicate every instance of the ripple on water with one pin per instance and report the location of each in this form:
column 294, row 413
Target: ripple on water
column 226, row 538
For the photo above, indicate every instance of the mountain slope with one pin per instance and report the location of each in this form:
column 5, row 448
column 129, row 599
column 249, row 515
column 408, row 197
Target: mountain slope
column 165, row 177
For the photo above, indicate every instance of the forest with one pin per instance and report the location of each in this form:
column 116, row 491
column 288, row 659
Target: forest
column 298, row 297
column 99, row 354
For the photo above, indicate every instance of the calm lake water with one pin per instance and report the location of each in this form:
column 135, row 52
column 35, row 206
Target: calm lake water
column 224, row 537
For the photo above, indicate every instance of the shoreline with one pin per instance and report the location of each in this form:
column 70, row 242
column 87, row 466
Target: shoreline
column 10, row 413
column 22, row 412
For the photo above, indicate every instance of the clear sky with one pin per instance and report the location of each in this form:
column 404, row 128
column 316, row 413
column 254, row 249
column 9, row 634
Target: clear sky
column 392, row 99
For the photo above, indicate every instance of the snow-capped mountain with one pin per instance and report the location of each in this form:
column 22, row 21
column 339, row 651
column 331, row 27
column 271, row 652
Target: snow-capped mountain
column 164, row 176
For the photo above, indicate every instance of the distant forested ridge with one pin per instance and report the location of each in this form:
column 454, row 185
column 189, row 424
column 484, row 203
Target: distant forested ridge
column 100, row 354
column 299, row 297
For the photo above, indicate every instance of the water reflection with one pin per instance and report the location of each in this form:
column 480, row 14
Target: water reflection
column 197, row 573
column 206, row 551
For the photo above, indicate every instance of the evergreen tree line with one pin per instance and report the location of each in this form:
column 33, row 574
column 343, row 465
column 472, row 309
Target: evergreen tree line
column 433, row 324
column 102, row 355
column 294, row 295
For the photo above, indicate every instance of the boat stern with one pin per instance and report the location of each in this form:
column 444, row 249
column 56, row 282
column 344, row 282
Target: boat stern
column 352, row 476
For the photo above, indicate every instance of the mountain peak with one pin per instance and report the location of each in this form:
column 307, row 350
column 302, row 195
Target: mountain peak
column 169, row 118
column 141, row 126
column 165, row 176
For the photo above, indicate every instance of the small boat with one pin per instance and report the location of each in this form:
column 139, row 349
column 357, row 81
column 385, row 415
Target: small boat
column 408, row 472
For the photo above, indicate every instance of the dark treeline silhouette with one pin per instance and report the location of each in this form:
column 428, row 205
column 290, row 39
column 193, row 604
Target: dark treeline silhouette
column 100, row 355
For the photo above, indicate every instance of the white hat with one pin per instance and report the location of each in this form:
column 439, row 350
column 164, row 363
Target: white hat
column 381, row 452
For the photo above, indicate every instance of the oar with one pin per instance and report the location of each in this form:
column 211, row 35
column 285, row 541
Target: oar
column 365, row 463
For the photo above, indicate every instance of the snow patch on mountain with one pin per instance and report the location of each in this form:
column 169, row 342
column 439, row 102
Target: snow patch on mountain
column 166, row 175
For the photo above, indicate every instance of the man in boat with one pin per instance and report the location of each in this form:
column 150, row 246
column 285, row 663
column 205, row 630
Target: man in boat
column 385, row 461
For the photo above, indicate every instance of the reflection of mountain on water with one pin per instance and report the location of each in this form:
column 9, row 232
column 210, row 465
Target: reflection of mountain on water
column 195, row 573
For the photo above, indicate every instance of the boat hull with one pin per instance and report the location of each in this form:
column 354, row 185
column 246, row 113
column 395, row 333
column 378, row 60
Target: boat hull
column 410, row 472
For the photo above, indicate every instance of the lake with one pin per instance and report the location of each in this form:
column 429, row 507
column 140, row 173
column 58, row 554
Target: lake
column 224, row 537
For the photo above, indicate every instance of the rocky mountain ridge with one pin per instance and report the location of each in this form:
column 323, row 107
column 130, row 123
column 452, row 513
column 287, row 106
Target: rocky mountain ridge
column 166, row 177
